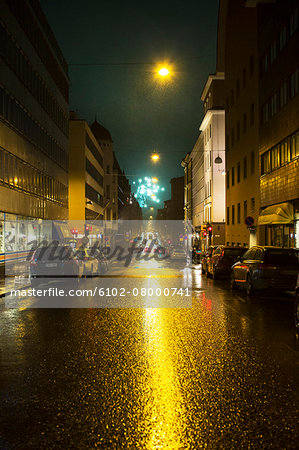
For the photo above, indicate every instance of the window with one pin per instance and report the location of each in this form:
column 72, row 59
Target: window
column 227, row 215
column 244, row 123
column 251, row 65
column 210, row 131
column 244, row 78
column 238, row 131
column 294, row 84
column 107, row 170
column 245, row 167
column 285, row 155
column 92, row 170
column 282, row 37
column 227, row 179
column 295, row 145
column 273, row 52
column 245, row 209
column 265, row 163
column 233, row 176
column 265, row 63
column 252, row 204
column 238, row 172
column 233, row 215
column 93, row 149
column 275, row 157
column 294, row 22
column 273, row 104
column 252, row 114
column 239, row 212
column 283, row 94
column 252, row 162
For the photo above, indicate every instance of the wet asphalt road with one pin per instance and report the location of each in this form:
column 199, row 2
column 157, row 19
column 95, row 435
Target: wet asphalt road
column 221, row 374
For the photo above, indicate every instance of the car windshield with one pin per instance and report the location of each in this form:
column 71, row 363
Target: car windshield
column 53, row 253
column 281, row 257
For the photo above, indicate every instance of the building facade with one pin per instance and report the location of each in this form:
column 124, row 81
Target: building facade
column 34, row 131
column 213, row 158
column 279, row 125
column 187, row 165
column 198, row 184
column 238, row 58
column 86, row 177
column 105, row 141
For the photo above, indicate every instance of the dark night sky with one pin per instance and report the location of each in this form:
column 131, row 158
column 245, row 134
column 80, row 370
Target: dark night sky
column 141, row 113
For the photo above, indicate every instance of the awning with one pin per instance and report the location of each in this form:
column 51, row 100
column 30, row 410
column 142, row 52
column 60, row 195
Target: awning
column 280, row 214
column 61, row 231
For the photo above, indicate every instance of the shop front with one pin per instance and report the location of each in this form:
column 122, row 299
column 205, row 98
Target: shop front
column 280, row 224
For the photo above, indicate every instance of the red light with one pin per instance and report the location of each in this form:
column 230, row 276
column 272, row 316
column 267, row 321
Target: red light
column 210, row 228
column 204, row 233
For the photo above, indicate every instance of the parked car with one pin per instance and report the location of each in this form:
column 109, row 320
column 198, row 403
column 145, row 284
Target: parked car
column 296, row 310
column 53, row 262
column 222, row 259
column 263, row 268
column 205, row 258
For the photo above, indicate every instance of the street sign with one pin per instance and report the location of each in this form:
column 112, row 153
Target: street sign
column 249, row 221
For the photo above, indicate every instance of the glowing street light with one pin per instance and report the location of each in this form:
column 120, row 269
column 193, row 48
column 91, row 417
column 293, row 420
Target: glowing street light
column 155, row 180
column 163, row 72
column 155, row 157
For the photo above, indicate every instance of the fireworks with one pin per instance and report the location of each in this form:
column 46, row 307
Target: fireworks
column 147, row 190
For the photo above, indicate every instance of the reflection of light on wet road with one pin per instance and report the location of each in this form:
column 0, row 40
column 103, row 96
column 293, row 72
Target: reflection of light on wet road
column 166, row 410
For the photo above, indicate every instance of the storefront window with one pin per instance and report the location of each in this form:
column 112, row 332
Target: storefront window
column 281, row 235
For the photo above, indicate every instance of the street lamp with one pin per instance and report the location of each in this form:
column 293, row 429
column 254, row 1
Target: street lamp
column 155, row 157
column 163, row 72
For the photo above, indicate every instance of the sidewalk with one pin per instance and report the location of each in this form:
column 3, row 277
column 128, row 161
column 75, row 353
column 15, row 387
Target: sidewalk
column 19, row 282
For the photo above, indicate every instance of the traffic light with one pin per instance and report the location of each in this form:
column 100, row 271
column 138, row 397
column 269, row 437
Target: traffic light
column 210, row 229
column 86, row 230
column 205, row 233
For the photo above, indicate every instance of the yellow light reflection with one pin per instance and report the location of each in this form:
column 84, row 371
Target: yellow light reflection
column 165, row 408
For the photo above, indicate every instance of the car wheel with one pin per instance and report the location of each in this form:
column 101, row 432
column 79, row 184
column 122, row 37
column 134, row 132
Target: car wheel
column 296, row 313
column 249, row 286
column 233, row 284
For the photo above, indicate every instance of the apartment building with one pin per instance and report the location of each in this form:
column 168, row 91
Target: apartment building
column 278, row 33
column 34, row 105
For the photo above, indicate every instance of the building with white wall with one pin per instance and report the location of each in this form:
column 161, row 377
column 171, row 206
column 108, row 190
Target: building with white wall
column 213, row 157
